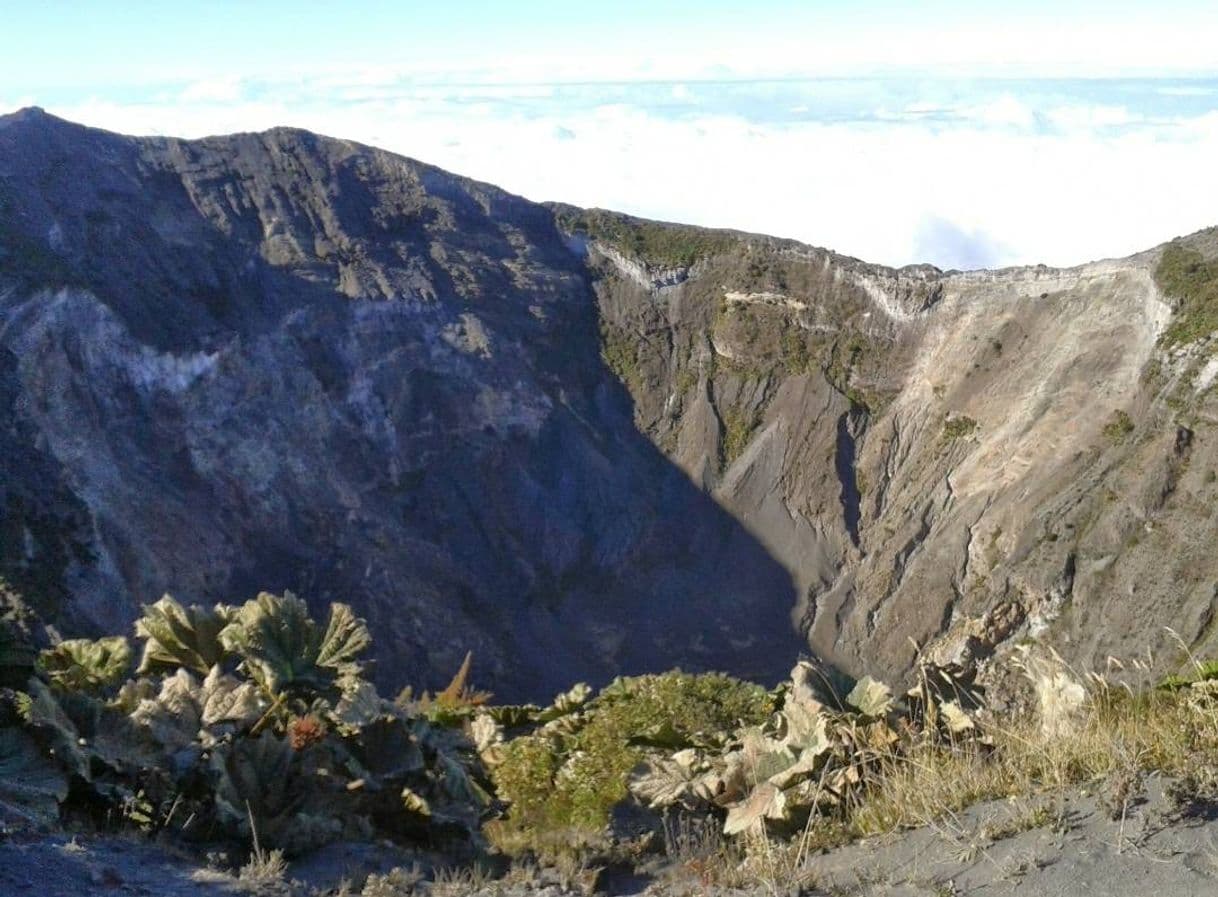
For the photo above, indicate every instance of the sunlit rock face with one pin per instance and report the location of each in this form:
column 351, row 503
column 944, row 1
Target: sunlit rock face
column 952, row 462
column 573, row 443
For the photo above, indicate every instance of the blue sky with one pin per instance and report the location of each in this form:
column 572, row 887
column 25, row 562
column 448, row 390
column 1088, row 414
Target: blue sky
column 61, row 44
column 965, row 134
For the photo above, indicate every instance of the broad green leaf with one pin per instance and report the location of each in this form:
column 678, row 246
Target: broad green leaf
column 56, row 729
column 86, row 666
column 360, row 705
column 283, row 648
column 180, row 636
column 172, row 719
column 763, row 756
column 567, row 703
column 870, row 697
column 345, row 639
column 512, row 716
column 263, row 778
column 800, row 726
column 224, row 699
column 485, row 732
column 812, row 687
column 668, row 781
column 387, row 752
column 184, row 708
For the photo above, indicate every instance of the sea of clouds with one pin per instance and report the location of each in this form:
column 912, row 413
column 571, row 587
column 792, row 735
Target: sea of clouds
column 961, row 173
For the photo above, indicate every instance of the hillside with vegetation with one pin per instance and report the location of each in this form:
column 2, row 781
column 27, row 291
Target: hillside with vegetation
column 744, row 553
column 249, row 733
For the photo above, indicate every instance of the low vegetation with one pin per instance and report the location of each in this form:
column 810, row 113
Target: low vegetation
column 1119, row 426
column 563, row 779
column 252, row 720
column 655, row 243
column 620, row 352
column 959, row 426
column 739, row 425
column 255, row 721
column 1192, row 281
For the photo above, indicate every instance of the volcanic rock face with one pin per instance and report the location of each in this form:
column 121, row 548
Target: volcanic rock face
column 575, row 443
column 280, row 361
column 948, row 461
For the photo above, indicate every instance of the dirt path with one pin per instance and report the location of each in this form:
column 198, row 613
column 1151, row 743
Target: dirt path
column 62, row 866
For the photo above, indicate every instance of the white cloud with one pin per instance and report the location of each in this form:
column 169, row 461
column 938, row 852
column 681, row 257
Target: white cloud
column 1006, row 111
column 959, row 179
column 212, row 90
column 1087, row 118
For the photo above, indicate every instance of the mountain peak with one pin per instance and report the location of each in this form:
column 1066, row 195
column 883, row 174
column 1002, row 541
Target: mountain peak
column 28, row 114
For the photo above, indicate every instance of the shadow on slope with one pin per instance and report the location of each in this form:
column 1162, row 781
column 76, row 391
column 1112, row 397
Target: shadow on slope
column 280, row 361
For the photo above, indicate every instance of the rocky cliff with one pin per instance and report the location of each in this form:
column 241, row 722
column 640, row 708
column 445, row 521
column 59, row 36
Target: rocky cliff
column 574, row 442
column 949, row 461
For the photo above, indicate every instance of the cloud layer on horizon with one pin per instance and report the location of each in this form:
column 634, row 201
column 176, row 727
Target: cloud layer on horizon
column 960, row 173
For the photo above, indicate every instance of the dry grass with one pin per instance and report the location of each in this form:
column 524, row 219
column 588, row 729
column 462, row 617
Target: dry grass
column 781, row 867
column 1114, row 738
column 460, row 881
column 265, row 874
column 398, row 882
column 1088, row 733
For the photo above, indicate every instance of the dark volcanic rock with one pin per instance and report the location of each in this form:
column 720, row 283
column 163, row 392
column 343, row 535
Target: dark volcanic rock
column 575, row 442
column 281, row 361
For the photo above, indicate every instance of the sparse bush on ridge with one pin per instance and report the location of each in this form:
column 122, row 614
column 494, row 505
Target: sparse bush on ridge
column 1185, row 275
column 655, row 243
column 738, row 428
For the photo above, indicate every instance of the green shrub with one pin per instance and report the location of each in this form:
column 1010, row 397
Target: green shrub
column 692, row 704
column 621, row 355
column 80, row 664
column 654, row 242
column 281, row 735
column 738, row 429
column 959, row 427
column 1186, row 276
column 795, row 354
column 567, row 777
column 1118, row 427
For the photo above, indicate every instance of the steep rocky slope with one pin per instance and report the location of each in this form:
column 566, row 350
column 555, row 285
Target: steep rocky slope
column 951, row 460
column 283, row 361
column 574, row 442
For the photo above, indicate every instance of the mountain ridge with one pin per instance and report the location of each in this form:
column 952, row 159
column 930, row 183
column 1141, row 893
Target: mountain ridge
column 293, row 361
